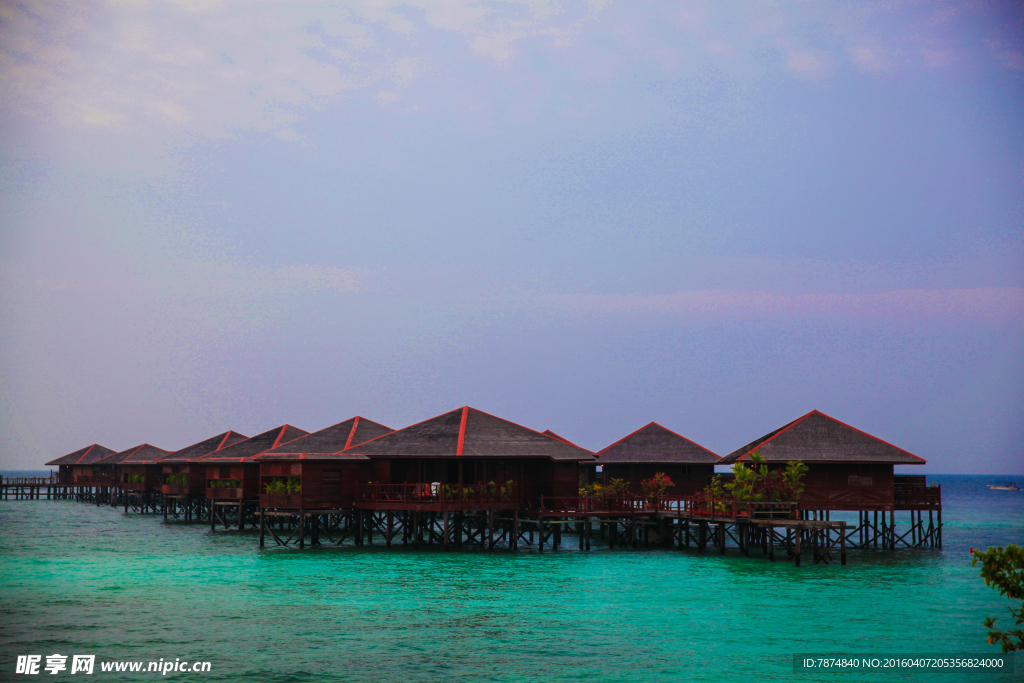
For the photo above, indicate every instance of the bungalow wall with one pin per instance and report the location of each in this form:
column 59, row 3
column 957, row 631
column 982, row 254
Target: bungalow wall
column 196, row 485
column 247, row 474
column 151, row 475
column 686, row 479
column 846, row 486
column 92, row 475
column 324, row 484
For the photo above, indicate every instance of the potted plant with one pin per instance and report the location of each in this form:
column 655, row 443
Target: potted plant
column 654, row 488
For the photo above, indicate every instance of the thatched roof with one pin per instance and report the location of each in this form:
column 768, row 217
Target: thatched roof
column 816, row 437
column 471, row 433
column 244, row 451
column 204, row 447
column 653, row 444
column 330, row 442
column 138, row 455
column 84, row 456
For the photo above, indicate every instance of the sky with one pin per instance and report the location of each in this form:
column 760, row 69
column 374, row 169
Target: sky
column 582, row 216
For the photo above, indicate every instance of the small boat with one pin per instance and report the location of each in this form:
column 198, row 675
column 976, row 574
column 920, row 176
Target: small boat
column 1004, row 486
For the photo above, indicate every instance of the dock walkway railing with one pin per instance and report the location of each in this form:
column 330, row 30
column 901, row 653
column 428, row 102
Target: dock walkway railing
column 52, row 480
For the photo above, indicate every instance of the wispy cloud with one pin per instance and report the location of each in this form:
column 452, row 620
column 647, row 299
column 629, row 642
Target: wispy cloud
column 992, row 303
column 213, row 68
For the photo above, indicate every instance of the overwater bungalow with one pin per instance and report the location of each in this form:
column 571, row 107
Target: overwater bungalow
column 316, row 472
column 652, row 449
column 454, row 461
column 78, row 469
column 137, row 476
column 853, row 471
column 231, row 473
column 183, row 478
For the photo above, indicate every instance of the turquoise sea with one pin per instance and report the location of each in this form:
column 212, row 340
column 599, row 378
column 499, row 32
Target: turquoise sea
column 80, row 579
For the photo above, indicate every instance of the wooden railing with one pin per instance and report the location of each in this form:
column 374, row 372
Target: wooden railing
column 918, row 496
column 437, row 493
column 698, row 505
column 594, row 504
column 52, row 480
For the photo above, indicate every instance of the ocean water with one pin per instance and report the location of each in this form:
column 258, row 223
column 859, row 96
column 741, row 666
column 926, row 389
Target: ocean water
column 80, row 579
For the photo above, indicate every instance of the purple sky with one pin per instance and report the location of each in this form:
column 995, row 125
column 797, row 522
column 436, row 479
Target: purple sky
column 581, row 216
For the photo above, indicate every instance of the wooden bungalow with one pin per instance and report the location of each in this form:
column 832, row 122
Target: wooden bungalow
column 469, row 459
column 182, row 475
column 135, row 469
column 315, row 472
column 77, row 469
column 847, row 468
column 183, row 479
column 652, row 449
column 232, row 474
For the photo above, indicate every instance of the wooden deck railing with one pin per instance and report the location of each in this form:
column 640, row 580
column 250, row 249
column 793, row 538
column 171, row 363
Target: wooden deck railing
column 437, row 493
column 594, row 504
column 918, row 496
column 698, row 505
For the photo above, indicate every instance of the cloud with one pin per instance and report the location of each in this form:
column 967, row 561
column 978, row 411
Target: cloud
column 938, row 58
column 993, row 303
column 811, row 64
column 871, row 59
column 1014, row 59
column 218, row 67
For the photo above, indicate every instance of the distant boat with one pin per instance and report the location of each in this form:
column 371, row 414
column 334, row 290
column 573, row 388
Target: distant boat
column 1004, row 486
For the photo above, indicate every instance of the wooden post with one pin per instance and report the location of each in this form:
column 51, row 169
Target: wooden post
column 892, row 529
column 444, row 531
column 842, row 545
column 515, row 530
column 798, row 533
column 387, row 536
column 721, row 538
column 770, row 536
column 540, row 532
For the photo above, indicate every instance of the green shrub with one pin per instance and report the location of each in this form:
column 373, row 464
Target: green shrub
column 282, row 486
